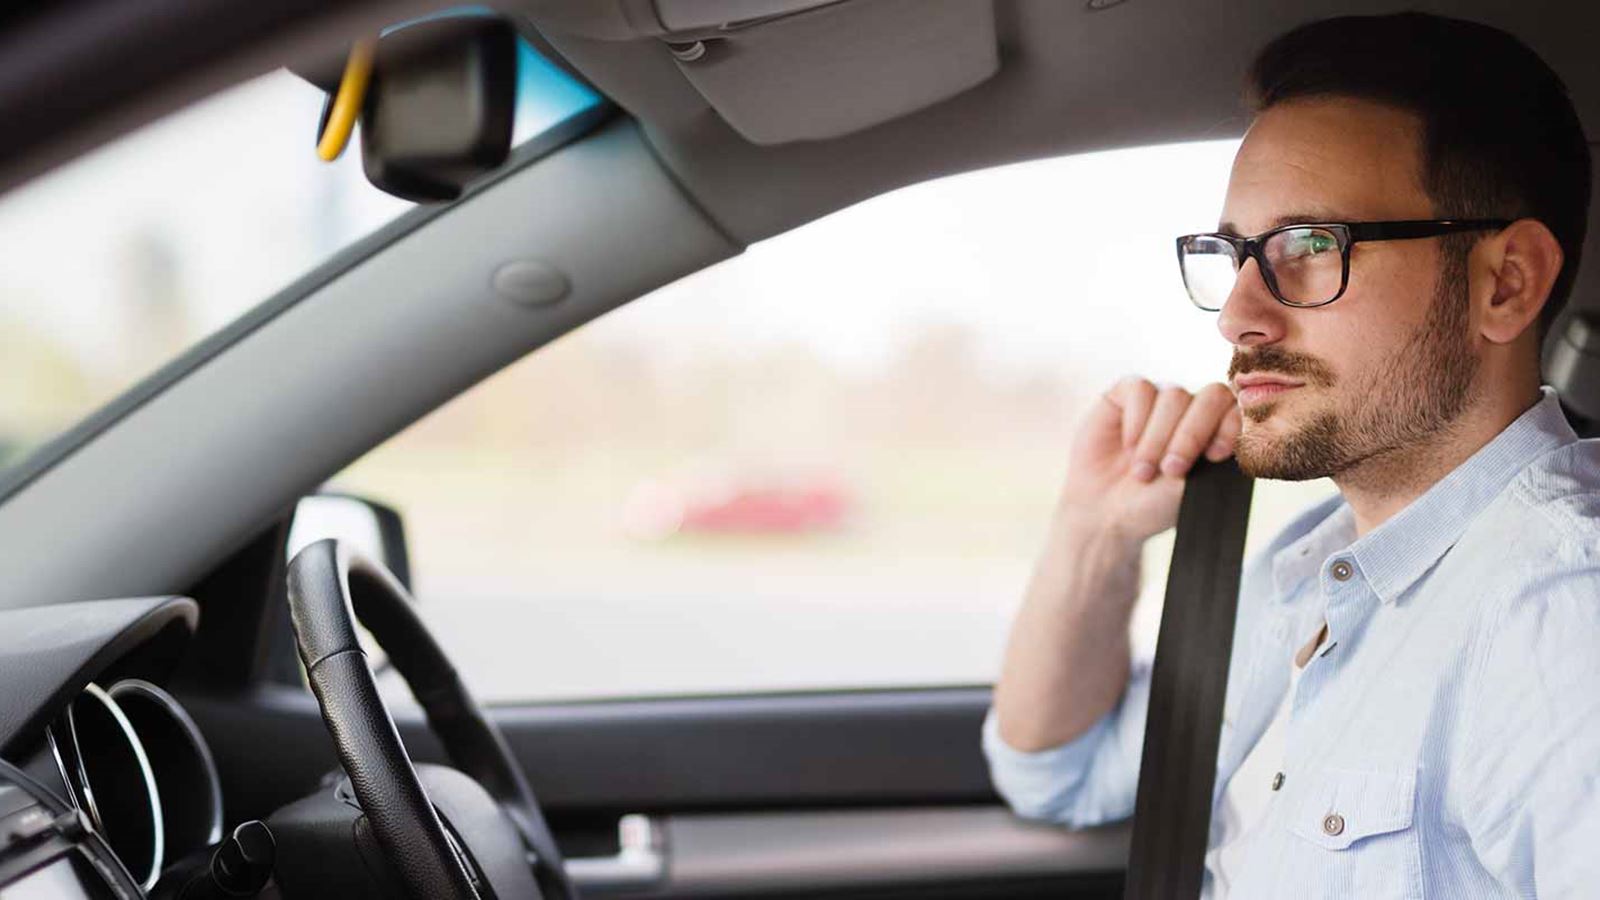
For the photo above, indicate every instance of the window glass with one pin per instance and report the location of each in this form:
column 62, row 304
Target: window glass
column 122, row 259
column 826, row 463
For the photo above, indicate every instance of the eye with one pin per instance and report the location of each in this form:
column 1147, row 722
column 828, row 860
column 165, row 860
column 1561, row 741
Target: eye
column 1305, row 243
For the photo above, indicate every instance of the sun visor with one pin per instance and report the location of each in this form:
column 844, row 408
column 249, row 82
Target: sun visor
column 840, row 68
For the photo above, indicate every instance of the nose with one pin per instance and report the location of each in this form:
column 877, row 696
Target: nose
column 1251, row 316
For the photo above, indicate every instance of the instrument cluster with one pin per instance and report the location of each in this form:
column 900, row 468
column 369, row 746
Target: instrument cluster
column 136, row 765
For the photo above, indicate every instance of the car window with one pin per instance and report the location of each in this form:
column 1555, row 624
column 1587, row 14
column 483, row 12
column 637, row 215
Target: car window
column 119, row 261
column 826, row 463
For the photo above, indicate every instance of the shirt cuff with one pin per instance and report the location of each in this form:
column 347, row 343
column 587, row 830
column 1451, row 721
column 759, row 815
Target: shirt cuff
column 1046, row 784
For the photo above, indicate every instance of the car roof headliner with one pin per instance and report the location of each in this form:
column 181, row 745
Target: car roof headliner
column 1072, row 79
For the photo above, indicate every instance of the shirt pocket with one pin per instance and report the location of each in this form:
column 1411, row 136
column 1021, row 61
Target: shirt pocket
column 1363, row 823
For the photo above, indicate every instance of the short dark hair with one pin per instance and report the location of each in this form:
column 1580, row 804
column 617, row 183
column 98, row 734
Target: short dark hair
column 1500, row 137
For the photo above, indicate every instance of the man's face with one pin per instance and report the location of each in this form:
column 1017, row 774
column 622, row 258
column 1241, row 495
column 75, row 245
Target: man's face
column 1389, row 364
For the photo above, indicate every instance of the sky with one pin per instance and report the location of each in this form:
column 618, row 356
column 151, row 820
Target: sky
column 1052, row 262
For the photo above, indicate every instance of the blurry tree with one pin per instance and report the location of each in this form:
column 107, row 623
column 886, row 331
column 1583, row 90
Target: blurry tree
column 45, row 388
column 158, row 324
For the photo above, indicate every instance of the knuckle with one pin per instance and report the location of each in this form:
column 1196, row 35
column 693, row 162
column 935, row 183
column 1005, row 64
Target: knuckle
column 1175, row 398
column 1131, row 392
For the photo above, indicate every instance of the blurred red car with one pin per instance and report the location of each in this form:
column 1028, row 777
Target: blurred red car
column 788, row 505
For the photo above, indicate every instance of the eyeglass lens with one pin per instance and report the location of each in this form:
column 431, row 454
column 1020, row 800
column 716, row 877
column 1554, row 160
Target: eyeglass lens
column 1306, row 263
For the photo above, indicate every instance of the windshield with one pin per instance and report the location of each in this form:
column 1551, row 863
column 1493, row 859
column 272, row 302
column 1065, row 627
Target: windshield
column 119, row 261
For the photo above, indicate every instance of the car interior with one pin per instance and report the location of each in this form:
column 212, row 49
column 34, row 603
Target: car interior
column 183, row 713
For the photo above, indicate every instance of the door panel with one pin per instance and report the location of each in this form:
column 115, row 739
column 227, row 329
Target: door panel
column 914, row 747
column 862, row 794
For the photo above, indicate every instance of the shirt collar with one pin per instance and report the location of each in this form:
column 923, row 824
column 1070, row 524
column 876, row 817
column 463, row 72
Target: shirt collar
column 1395, row 554
column 1295, row 562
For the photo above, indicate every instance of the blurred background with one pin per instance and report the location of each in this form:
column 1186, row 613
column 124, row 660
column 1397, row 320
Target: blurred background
column 825, row 463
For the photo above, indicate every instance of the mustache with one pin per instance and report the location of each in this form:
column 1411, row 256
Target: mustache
column 1278, row 361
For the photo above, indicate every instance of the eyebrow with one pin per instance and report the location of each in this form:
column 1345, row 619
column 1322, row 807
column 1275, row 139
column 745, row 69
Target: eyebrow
column 1293, row 218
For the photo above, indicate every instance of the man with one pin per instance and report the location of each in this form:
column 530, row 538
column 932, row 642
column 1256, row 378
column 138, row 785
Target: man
column 1414, row 699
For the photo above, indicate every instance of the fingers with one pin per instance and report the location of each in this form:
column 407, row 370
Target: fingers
column 1227, row 435
column 1133, row 397
column 1170, row 406
column 1167, row 428
column 1201, row 429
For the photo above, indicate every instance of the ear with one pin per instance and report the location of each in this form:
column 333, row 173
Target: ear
column 1520, row 265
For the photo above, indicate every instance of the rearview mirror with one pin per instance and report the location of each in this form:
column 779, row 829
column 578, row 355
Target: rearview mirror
column 373, row 529
column 440, row 107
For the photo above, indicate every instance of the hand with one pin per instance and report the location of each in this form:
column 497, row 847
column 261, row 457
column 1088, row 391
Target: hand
column 1129, row 460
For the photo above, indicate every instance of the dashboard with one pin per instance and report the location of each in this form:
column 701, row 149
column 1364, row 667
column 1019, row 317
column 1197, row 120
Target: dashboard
column 102, row 764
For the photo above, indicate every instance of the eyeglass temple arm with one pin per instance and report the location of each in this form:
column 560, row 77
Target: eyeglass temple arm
column 1389, row 231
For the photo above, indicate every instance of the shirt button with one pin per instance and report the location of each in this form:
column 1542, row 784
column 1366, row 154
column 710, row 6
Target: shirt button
column 1333, row 825
column 1277, row 781
column 1342, row 570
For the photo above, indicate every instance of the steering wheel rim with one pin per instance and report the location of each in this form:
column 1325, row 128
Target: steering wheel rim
column 330, row 588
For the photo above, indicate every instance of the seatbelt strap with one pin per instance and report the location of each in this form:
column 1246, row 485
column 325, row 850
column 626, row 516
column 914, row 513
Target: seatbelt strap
column 1172, row 813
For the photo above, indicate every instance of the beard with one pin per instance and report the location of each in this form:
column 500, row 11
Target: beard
column 1415, row 394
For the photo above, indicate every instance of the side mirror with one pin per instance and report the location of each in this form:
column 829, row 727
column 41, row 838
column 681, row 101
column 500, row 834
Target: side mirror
column 440, row 107
column 371, row 527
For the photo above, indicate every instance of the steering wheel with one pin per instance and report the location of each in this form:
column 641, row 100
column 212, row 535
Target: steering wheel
column 330, row 586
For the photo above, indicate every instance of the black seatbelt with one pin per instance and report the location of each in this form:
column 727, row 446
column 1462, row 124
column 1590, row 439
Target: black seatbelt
column 1172, row 813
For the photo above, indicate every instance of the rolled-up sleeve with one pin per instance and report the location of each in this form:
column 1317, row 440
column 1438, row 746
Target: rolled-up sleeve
column 1087, row 781
column 1093, row 778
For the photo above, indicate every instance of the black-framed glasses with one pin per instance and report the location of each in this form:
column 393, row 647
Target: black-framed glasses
column 1304, row 264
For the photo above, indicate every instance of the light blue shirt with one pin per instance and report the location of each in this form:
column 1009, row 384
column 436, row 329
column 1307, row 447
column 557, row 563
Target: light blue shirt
column 1445, row 742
